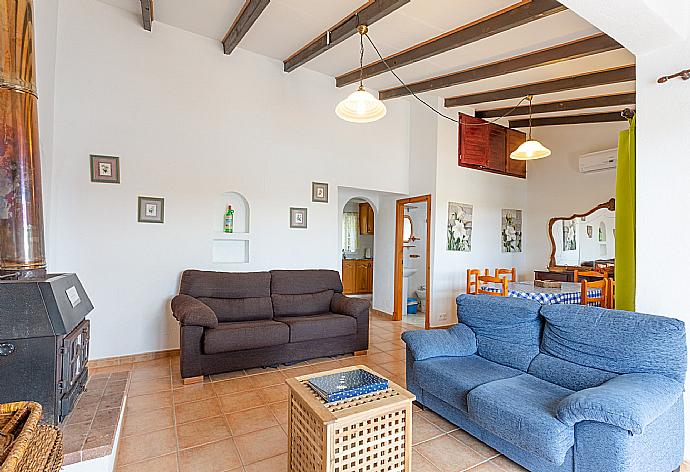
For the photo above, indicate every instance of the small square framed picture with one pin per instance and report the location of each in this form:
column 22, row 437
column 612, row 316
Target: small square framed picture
column 151, row 210
column 319, row 192
column 298, row 218
column 105, row 169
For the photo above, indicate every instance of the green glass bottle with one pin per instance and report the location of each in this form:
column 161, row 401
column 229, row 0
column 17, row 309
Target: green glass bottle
column 229, row 217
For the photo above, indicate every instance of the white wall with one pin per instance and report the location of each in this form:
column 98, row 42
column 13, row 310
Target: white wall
column 189, row 124
column 557, row 188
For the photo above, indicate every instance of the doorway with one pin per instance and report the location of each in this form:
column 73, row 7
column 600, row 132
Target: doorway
column 412, row 260
column 358, row 248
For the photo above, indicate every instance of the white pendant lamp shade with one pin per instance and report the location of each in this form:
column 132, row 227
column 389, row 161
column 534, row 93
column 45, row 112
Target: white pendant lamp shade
column 361, row 107
column 530, row 150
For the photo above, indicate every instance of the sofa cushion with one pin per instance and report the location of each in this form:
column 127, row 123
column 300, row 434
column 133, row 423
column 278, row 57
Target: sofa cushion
column 508, row 329
column 451, row 378
column 237, row 336
column 522, row 410
column 199, row 283
column 302, row 304
column 616, row 341
column 325, row 325
column 294, row 282
column 567, row 374
column 240, row 309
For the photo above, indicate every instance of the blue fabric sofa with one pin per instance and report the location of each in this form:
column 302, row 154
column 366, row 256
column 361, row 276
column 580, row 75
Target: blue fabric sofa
column 557, row 387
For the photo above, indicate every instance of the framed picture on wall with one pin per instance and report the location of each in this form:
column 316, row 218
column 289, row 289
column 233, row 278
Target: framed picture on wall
column 459, row 227
column 151, row 210
column 298, row 218
column 319, row 192
column 105, row 169
column 511, row 230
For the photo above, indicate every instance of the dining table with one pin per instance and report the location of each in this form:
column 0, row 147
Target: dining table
column 568, row 293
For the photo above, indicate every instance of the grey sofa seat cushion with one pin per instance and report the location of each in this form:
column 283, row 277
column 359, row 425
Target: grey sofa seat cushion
column 295, row 282
column 237, row 336
column 240, row 309
column 326, row 325
column 522, row 410
column 452, row 378
column 199, row 283
column 302, row 304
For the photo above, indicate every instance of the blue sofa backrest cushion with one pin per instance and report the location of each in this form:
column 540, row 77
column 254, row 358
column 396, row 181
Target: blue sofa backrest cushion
column 508, row 330
column 616, row 341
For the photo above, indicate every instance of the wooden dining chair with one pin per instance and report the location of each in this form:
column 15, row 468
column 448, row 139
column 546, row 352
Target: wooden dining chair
column 586, row 286
column 611, row 294
column 487, row 279
column 512, row 272
column 472, row 281
column 588, row 273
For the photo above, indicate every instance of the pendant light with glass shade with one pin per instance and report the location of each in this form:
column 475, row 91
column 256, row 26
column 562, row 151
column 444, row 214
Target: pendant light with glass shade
column 361, row 106
column 530, row 149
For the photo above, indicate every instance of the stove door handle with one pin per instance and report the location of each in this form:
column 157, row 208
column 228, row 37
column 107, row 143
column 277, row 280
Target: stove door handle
column 6, row 349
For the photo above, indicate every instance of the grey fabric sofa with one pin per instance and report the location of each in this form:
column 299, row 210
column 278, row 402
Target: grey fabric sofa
column 232, row 320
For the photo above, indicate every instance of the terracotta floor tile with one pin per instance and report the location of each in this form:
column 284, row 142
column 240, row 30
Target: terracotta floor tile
column 269, row 379
column 227, row 376
column 193, row 411
column 156, row 372
column 241, row 384
column 167, row 463
column 106, row 418
column 474, row 443
column 218, row 456
column 439, row 421
column 147, row 446
column 144, row 387
column 202, row 432
column 260, row 445
column 381, row 358
column 507, row 465
column 274, row 464
column 325, row 366
column 486, row 467
column 277, row 393
column 146, row 421
column 241, row 401
column 423, row 430
column 280, row 411
column 254, row 419
column 448, row 454
column 420, row 464
column 151, row 401
column 395, row 367
column 193, row 393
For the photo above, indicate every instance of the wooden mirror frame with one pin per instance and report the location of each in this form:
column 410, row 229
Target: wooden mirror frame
column 610, row 205
column 411, row 238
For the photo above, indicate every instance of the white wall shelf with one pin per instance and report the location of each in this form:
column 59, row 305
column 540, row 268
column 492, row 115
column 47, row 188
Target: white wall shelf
column 231, row 248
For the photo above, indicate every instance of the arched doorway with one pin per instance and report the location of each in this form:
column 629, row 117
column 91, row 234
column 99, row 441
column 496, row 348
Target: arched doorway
column 357, row 247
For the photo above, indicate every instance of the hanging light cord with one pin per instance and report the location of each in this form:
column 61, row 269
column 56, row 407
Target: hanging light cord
column 361, row 80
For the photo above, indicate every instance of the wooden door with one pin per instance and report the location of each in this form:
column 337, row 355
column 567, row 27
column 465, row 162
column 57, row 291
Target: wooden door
column 514, row 139
column 361, row 277
column 370, row 276
column 497, row 148
column 474, row 142
column 348, row 277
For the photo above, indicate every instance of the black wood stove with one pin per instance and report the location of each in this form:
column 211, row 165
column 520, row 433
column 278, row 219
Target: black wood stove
column 44, row 342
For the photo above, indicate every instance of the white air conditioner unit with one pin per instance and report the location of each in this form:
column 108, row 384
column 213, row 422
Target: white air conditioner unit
column 598, row 161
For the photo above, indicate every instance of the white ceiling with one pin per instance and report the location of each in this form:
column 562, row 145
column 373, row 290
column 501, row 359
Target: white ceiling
column 287, row 25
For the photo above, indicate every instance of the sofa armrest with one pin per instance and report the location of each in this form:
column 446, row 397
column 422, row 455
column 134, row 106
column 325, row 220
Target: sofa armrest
column 349, row 306
column 629, row 401
column 457, row 341
column 191, row 312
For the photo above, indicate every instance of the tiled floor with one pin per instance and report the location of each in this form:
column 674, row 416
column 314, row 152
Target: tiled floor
column 237, row 421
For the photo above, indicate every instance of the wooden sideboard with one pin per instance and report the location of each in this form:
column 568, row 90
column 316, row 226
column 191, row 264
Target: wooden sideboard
column 358, row 276
column 560, row 276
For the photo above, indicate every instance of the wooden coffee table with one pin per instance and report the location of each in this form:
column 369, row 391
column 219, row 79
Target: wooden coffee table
column 371, row 432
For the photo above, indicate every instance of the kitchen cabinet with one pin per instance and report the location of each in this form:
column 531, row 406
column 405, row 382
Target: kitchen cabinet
column 487, row 146
column 358, row 276
column 366, row 219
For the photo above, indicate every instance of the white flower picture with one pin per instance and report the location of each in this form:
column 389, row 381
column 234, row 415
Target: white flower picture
column 511, row 230
column 459, row 227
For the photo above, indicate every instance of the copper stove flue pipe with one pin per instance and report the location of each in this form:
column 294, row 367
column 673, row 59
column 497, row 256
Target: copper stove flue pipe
column 22, row 245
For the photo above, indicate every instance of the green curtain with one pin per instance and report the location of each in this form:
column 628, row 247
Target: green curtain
column 625, row 220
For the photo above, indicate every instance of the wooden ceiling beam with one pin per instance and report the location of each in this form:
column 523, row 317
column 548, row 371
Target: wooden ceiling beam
column 251, row 10
column 563, row 52
column 575, row 82
column 617, row 99
column 147, row 14
column 569, row 120
column 369, row 13
column 498, row 22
